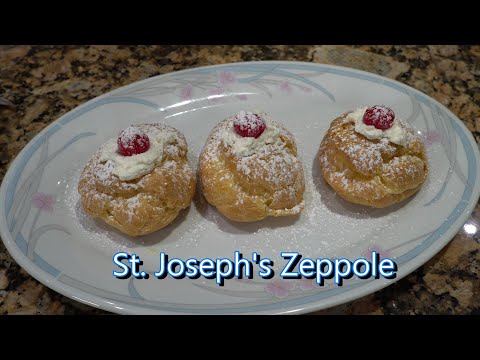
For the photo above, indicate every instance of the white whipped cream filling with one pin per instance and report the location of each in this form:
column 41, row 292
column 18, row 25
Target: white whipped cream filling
column 397, row 134
column 247, row 146
column 135, row 166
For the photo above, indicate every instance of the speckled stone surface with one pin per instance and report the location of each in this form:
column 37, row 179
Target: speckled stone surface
column 45, row 82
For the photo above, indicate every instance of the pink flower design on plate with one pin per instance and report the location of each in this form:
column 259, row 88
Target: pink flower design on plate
column 379, row 250
column 216, row 94
column 43, row 201
column 431, row 136
column 242, row 97
column 186, row 92
column 307, row 284
column 306, row 89
column 286, row 87
column 226, row 78
column 279, row 288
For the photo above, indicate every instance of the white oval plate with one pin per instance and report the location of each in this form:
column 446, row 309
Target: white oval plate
column 45, row 230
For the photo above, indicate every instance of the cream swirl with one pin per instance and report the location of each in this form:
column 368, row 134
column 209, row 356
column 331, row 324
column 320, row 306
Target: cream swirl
column 132, row 167
column 247, row 146
column 398, row 133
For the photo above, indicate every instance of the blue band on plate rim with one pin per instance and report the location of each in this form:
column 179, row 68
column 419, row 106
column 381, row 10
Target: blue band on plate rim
column 51, row 272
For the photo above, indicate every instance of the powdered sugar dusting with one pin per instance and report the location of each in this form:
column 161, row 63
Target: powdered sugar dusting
column 132, row 204
column 249, row 124
column 327, row 226
column 380, row 117
column 367, row 171
column 129, row 134
column 325, row 216
column 92, row 232
column 319, row 231
column 246, row 146
column 132, row 141
column 105, row 172
column 99, row 235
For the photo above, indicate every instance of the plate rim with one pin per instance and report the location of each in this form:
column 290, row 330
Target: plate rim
column 99, row 302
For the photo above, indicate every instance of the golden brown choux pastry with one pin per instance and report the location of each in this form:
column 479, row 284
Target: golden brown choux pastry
column 249, row 169
column 370, row 157
column 139, row 182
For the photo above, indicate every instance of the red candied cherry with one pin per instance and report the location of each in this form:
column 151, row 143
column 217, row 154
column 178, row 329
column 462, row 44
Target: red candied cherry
column 379, row 116
column 248, row 124
column 132, row 141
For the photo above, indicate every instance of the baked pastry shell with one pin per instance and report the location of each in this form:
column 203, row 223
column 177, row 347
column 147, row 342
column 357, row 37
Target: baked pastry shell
column 251, row 188
column 371, row 172
column 143, row 205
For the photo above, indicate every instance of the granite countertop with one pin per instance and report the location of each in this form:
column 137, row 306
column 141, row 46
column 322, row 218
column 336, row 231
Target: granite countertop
column 45, row 82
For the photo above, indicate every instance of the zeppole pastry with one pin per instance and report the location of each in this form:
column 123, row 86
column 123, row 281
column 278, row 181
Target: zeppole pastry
column 371, row 157
column 139, row 182
column 249, row 169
